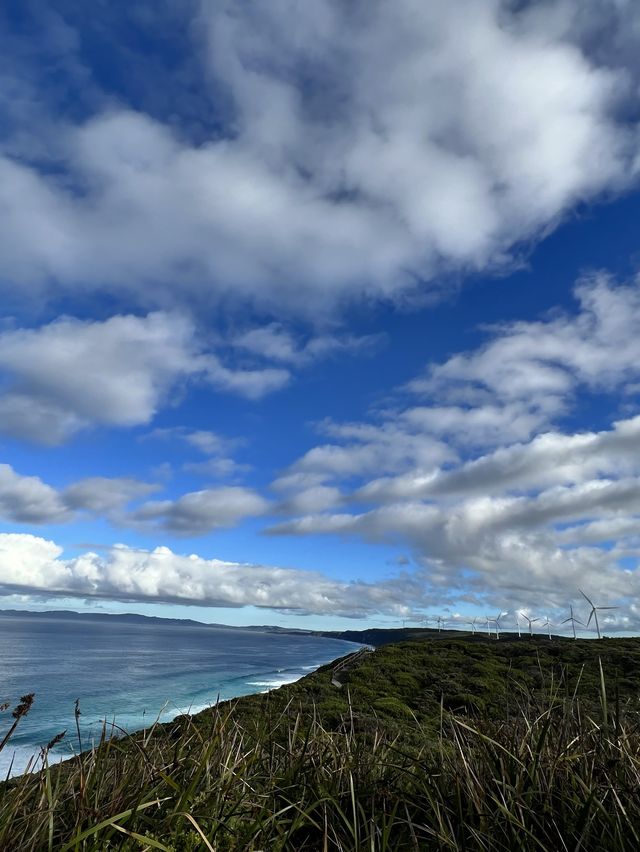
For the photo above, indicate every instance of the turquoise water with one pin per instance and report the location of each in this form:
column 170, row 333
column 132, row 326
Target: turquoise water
column 131, row 672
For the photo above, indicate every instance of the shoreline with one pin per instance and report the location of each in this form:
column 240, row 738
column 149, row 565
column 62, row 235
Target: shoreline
column 167, row 715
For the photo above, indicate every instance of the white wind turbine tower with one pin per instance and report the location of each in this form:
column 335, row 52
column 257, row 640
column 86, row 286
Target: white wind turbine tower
column 472, row 623
column 488, row 620
column 548, row 625
column 594, row 612
column 518, row 626
column 496, row 621
column 573, row 621
column 440, row 621
column 530, row 622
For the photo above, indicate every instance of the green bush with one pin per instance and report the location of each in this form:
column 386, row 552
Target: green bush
column 501, row 746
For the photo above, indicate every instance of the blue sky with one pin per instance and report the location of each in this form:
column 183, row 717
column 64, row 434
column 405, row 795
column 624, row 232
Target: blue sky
column 323, row 315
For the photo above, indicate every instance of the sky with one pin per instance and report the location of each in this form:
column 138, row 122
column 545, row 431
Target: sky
column 320, row 314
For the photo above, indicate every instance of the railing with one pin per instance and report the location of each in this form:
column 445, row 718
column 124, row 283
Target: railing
column 348, row 662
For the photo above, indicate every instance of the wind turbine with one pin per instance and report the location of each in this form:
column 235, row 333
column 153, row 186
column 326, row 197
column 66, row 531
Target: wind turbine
column 530, row 621
column 573, row 621
column 594, row 612
column 488, row 620
column 496, row 621
column 473, row 624
column 440, row 621
column 548, row 625
column 518, row 626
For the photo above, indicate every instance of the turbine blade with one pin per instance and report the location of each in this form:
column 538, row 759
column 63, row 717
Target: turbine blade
column 585, row 597
column 590, row 617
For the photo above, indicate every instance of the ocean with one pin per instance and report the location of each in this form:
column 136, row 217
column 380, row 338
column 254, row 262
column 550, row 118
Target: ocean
column 133, row 672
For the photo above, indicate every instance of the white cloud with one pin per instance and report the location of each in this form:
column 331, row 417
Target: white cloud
column 204, row 441
column 27, row 499
column 274, row 342
column 527, row 377
column 208, row 442
column 501, row 551
column 219, row 467
column 34, row 565
column 485, row 424
column 64, row 376
column 219, row 464
column 71, row 373
column 366, row 148
column 200, row 512
column 515, row 524
column 549, row 459
column 316, row 498
column 106, row 496
column 303, row 492
column 250, row 383
column 371, row 448
column 542, row 363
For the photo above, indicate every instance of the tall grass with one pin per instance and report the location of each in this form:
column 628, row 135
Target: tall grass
column 547, row 777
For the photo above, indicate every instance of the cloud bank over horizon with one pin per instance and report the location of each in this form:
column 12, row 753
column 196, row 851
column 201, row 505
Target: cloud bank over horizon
column 33, row 565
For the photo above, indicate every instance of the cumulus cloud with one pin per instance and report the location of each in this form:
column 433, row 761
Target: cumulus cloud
column 513, row 388
column 549, row 459
column 122, row 501
column 59, row 378
column 106, row 496
column 542, row 363
column 370, row 447
column 33, row 565
column 70, row 373
column 504, row 551
column 27, row 499
column 359, row 150
column 302, row 494
column 200, row 512
column 515, row 523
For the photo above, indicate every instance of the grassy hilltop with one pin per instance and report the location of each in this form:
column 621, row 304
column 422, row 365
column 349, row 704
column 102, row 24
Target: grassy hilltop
column 443, row 742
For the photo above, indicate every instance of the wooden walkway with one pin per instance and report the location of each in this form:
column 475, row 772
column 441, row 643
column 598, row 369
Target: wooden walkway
column 347, row 663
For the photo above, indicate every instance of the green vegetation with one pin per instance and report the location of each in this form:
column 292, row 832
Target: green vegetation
column 433, row 744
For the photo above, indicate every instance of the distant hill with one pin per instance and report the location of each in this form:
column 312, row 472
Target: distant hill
column 135, row 618
column 374, row 636
column 386, row 636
